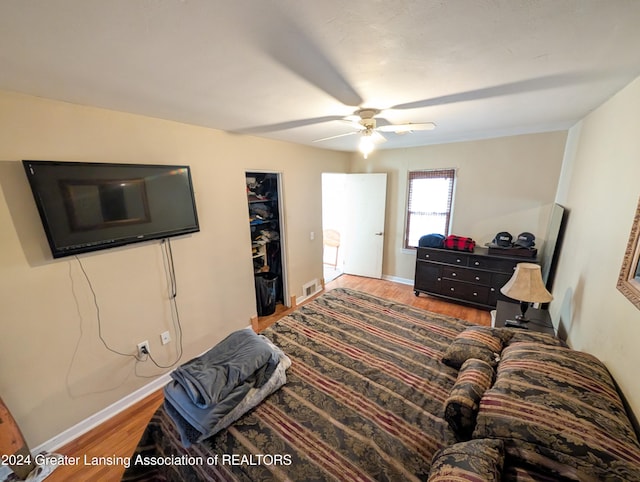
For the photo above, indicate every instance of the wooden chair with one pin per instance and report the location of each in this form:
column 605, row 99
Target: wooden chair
column 331, row 238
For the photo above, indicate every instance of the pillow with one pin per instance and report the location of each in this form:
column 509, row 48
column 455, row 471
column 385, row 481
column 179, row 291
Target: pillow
column 474, row 460
column 461, row 406
column 481, row 342
column 519, row 335
column 559, row 408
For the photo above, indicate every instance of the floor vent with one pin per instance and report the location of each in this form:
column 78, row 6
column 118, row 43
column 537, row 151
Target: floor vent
column 310, row 288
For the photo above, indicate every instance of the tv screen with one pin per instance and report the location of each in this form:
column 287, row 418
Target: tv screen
column 90, row 206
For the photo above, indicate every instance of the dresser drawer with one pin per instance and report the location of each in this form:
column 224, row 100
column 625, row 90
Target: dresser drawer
column 492, row 264
column 498, row 280
column 465, row 274
column 465, row 291
column 443, row 256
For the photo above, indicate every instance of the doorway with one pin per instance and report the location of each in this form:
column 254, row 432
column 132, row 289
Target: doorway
column 353, row 217
column 333, row 224
column 264, row 198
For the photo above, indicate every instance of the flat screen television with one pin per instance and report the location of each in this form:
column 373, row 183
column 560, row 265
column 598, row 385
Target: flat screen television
column 91, row 206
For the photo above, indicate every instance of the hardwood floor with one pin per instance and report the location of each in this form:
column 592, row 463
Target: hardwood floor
column 404, row 294
column 119, row 436
column 394, row 291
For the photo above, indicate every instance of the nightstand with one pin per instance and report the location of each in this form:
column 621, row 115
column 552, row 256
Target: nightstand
column 540, row 319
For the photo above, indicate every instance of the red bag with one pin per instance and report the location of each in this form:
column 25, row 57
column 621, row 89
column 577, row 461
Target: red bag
column 459, row 243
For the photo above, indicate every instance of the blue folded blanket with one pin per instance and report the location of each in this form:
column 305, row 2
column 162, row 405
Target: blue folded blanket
column 210, row 392
column 197, row 424
column 241, row 357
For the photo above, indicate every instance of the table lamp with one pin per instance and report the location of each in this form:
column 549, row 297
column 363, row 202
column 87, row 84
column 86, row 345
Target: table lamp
column 526, row 286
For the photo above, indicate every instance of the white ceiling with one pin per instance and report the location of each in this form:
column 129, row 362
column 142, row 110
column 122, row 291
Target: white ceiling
column 477, row 68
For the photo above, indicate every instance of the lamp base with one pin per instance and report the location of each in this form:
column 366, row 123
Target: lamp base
column 516, row 323
column 522, row 318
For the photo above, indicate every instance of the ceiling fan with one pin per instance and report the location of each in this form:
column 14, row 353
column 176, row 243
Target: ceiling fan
column 310, row 62
column 366, row 124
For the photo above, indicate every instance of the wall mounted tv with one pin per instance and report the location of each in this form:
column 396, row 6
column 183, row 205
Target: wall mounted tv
column 90, row 206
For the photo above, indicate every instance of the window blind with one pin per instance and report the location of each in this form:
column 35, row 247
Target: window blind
column 428, row 204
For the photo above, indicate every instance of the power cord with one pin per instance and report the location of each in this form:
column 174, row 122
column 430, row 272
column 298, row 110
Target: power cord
column 170, row 272
column 175, row 314
column 149, row 357
column 98, row 317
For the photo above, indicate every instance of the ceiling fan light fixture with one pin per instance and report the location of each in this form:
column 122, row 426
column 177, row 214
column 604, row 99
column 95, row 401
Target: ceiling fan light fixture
column 366, row 145
column 367, row 125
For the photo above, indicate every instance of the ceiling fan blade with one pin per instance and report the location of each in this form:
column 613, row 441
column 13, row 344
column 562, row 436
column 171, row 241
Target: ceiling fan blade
column 335, row 137
column 291, row 47
column 510, row 88
column 353, row 123
column 408, row 127
column 377, row 137
column 381, row 121
column 286, row 125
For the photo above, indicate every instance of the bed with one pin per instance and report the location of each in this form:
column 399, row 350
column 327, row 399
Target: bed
column 378, row 390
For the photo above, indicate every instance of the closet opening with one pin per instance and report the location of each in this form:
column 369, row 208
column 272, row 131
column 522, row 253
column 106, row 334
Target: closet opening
column 264, row 197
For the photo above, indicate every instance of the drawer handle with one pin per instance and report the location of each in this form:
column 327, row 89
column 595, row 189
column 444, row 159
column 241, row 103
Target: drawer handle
column 458, row 260
column 475, row 294
column 426, row 255
column 453, row 274
column 477, row 278
column 493, row 289
column 452, row 289
column 439, row 279
column 477, row 263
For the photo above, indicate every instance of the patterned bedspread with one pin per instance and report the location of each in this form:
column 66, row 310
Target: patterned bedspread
column 363, row 401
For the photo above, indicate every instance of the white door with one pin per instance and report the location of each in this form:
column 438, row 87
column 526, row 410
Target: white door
column 364, row 229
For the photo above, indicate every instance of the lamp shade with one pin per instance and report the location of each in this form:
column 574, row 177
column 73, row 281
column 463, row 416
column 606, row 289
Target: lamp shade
column 526, row 285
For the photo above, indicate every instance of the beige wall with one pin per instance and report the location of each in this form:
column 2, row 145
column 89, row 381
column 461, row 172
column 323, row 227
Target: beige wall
column 55, row 371
column 504, row 184
column 599, row 186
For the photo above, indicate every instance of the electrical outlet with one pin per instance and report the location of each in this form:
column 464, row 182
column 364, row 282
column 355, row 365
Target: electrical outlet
column 165, row 337
column 141, row 345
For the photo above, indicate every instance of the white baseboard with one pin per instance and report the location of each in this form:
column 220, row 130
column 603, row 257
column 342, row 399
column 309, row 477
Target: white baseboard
column 94, row 420
column 102, row 416
column 397, row 279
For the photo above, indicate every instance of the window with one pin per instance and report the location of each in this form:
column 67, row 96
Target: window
column 429, row 204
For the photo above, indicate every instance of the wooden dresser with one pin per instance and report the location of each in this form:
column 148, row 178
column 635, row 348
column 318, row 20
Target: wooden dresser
column 467, row 277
